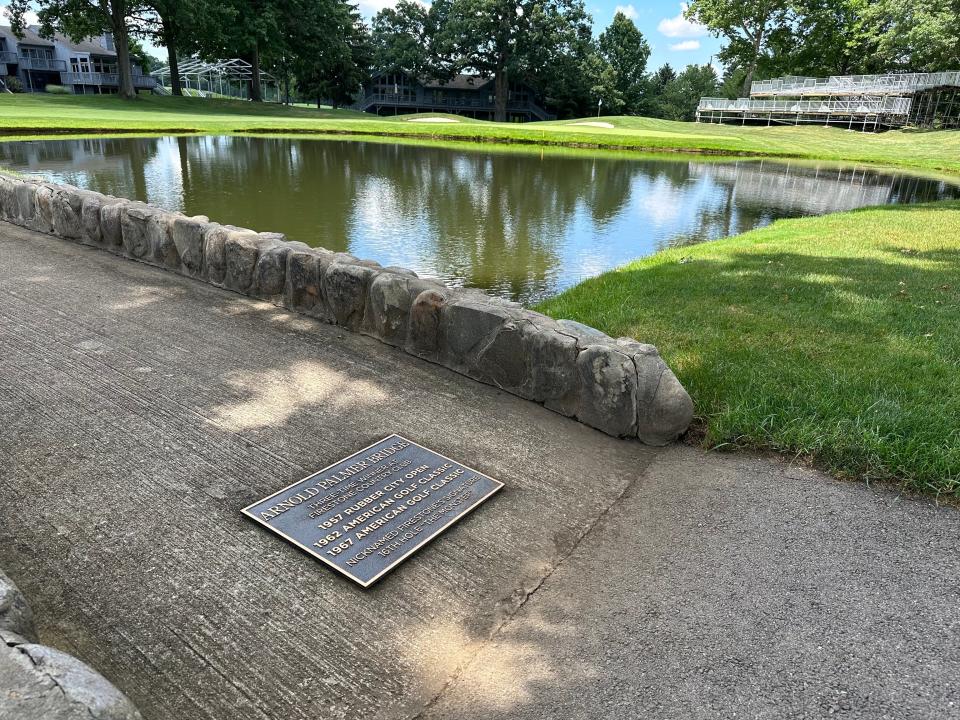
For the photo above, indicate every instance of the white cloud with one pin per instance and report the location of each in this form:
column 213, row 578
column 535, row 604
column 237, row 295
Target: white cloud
column 686, row 45
column 30, row 17
column 629, row 10
column 680, row 27
column 369, row 8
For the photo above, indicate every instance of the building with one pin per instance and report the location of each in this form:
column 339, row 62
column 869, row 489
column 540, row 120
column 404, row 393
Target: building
column 89, row 66
column 469, row 95
column 867, row 102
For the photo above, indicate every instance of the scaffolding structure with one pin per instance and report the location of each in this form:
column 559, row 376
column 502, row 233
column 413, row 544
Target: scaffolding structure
column 221, row 78
column 865, row 102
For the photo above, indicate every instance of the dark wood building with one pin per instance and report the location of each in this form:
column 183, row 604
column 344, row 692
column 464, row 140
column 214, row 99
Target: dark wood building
column 469, row 95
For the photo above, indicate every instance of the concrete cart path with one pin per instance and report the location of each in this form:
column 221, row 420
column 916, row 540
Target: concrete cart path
column 139, row 411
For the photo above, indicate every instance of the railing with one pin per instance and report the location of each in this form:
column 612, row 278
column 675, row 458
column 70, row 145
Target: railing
column 8, row 58
column 106, row 79
column 889, row 84
column 48, row 64
column 841, row 106
column 446, row 102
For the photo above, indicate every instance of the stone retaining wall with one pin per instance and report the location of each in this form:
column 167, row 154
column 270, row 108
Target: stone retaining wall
column 40, row 683
column 619, row 386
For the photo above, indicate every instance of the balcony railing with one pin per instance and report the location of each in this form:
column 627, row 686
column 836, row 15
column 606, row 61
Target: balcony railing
column 41, row 64
column 889, row 84
column 401, row 100
column 106, row 79
column 842, row 106
column 8, row 58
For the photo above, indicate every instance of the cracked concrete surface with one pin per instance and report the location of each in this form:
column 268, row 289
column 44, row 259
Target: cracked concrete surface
column 139, row 411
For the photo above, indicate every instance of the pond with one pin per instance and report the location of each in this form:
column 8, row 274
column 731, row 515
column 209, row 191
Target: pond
column 523, row 224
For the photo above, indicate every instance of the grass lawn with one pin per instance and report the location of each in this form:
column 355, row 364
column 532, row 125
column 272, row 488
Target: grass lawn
column 30, row 115
column 836, row 338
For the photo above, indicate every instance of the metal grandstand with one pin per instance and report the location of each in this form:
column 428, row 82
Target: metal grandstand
column 866, row 102
column 221, row 78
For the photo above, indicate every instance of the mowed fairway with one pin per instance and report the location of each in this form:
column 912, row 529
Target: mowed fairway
column 835, row 338
column 31, row 115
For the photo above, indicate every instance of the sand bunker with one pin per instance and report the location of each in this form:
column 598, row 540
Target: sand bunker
column 434, row 120
column 594, row 123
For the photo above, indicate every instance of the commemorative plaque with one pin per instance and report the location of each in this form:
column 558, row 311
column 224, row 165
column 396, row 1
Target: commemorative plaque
column 366, row 514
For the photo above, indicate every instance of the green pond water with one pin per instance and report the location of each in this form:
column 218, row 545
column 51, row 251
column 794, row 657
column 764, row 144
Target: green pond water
column 521, row 224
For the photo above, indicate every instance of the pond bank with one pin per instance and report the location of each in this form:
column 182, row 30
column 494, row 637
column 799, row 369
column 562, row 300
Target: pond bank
column 834, row 338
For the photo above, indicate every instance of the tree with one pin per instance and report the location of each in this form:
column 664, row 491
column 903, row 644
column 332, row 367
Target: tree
column 508, row 38
column 626, row 51
column 79, row 19
column 915, row 35
column 331, row 50
column 402, row 37
column 748, row 25
column 681, row 96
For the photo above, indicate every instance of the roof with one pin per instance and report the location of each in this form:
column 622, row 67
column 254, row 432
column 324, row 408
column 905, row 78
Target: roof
column 89, row 45
column 459, row 82
column 30, row 37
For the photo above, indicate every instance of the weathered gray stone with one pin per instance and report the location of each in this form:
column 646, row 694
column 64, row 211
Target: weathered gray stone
column 583, row 334
column 8, row 198
column 423, row 325
column 90, row 215
column 553, row 369
column 138, row 229
column 66, row 205
column 240, row 252
column 345, row 289
column 468, row 322
column 303, row 290
column 26, row 193
column 608, row 390
column 111, row 229
column 15, row 614
column 187, row 235
column 163, row 249
column 664, row 409
column 270, row 273
column 40, row 683
column 43, row 220
column 389, row 298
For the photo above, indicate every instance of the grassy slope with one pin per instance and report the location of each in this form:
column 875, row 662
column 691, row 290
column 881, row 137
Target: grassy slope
column 835, row 337
column 30, row 114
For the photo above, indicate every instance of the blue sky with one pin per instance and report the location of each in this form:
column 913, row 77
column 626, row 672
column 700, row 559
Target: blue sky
column 673, row 39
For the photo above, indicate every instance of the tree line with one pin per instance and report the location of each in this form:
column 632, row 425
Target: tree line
column 324, row 52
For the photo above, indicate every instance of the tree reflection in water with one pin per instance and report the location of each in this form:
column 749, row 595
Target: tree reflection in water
column 521, row 224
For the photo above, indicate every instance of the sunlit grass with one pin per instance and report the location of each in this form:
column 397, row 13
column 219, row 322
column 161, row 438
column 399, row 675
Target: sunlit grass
column 836, row 338
column 30, row 115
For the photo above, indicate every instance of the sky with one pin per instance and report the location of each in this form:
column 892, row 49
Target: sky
column 673, row 39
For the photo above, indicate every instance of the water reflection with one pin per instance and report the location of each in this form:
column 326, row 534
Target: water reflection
column 523, row 225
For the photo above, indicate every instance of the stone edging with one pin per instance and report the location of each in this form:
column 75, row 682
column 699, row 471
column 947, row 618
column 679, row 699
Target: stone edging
column 621, row 386
column 40, row 683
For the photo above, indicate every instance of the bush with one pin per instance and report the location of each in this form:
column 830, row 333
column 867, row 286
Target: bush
column 13, row 84
column 58, row 90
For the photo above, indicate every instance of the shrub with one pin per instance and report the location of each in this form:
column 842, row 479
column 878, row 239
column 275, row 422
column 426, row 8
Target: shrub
column 13, row 84
column 58, row 90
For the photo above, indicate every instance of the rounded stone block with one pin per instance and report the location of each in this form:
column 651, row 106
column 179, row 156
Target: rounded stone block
column 40, row 683
column 423, row 325
column 15, row 614
column 270, row 273
column 137, row 229
column 345, row 289
column 467, row 323
column 111, row 229
column 389, row 299
column 303, row 291
column 187, row 236
column 240, row 252
column 66, row 206
column 608, row 390
column 664, row 408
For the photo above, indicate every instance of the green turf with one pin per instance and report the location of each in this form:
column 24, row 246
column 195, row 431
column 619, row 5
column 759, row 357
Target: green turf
column 836, row 338
column 29, row 115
